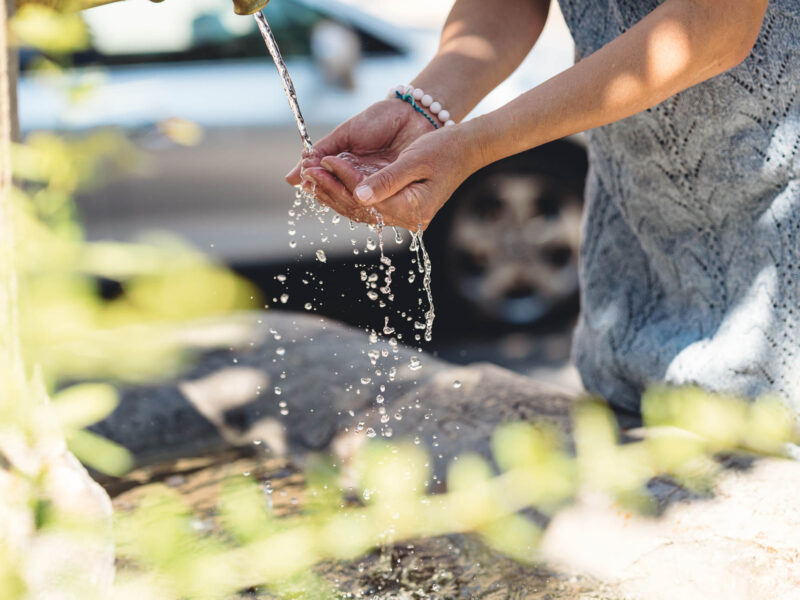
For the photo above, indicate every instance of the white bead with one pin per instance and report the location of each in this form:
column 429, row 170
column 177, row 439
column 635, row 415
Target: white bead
column 449, row 122
column 418, row 94
column 444, row 115
column 436, row 108
column 400, row 88
column 409, row 89
column 427, row 100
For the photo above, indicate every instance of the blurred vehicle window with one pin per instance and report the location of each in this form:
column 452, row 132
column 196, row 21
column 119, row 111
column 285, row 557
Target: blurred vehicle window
column 202, row 31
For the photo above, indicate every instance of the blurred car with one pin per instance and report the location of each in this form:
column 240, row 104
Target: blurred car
column 506, row 243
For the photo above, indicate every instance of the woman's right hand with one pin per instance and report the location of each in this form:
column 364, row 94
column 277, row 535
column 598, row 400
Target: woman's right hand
column 371, row 140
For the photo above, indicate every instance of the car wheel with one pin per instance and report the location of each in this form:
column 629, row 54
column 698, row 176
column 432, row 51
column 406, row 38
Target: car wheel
column 508, row 242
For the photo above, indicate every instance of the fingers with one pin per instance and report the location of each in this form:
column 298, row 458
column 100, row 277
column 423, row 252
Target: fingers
column 387, row 182
column 330, row 191
column 327, row 189
column 333, row 143
column 344, row 170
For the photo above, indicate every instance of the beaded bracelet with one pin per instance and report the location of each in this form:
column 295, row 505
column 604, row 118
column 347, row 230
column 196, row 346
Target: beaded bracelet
column 412, row 96
column 410, row 99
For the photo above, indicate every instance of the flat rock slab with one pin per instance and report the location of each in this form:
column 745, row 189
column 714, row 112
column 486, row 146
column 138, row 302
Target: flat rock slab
column 300, row 383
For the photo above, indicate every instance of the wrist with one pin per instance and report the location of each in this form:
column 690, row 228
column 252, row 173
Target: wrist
column 478, row 139
column 423, row 103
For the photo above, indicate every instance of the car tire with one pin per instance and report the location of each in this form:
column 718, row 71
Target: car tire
column 505, row 247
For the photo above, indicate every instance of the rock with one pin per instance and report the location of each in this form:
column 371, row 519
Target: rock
column 316, row 367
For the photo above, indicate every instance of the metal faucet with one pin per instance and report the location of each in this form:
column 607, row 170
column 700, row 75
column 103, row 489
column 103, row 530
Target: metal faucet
column 240, row 7
column 248, row 7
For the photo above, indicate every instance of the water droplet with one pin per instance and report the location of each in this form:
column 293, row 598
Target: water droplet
column 366, row 380
column 321, row 256
column 280, row 278
column 284, row 298
column 387, row 330
column 278, row 391
column 371, row 432
column 292, row 243
column 308, row 306
column 379, row 399
column 280, row 351
column 414, row 364
column 372, row 295
column 456, row 384
column 335, row 219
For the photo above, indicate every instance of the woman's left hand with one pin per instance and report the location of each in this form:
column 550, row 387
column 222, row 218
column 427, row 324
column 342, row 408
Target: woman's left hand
column 410, row 191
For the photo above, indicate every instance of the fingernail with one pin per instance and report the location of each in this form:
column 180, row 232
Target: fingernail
column 364, row 193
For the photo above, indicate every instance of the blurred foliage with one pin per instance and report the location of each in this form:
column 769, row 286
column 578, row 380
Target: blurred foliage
column 68, row 327
column 168, row 555
column 72, row 331
column 48, row 29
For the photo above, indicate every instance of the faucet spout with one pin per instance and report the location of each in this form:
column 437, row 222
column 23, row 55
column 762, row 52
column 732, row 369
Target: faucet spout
column 248, row 7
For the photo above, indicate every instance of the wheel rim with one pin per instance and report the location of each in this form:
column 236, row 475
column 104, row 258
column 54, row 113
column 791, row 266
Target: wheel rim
column 513, row 246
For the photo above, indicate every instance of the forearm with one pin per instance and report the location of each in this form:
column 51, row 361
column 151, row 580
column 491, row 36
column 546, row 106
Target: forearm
column 678, row 45
column 481, row 45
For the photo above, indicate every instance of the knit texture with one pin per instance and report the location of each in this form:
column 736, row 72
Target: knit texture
column 691, row 252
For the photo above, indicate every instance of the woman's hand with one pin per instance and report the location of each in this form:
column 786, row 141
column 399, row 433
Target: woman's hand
column 410, row 190
column 371, row 140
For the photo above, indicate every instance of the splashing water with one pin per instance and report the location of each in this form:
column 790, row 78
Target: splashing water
column 424, row 262
column 385, row 260
column 286, row 80
column 306, row 204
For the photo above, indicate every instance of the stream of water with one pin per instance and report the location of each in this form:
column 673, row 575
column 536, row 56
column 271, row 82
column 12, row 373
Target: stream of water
column 286, row 80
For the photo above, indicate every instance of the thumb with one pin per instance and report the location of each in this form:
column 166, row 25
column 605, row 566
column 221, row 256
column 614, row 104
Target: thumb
column 385, row 183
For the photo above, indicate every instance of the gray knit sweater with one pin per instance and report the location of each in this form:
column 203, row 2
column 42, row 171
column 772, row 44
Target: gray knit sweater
column 691, row 252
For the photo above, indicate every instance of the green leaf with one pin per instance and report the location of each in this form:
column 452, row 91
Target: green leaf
column 85, row 404
column 99, row 453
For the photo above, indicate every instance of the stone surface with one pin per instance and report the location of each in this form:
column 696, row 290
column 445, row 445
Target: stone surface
column 330, row 389
column 456, row 567
column 740, row 542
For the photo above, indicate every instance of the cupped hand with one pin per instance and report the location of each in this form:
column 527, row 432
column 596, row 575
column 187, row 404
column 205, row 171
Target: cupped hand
column 371, row 140
column 409, row 190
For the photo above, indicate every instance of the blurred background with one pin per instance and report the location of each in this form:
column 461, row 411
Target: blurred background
column 193, row 89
